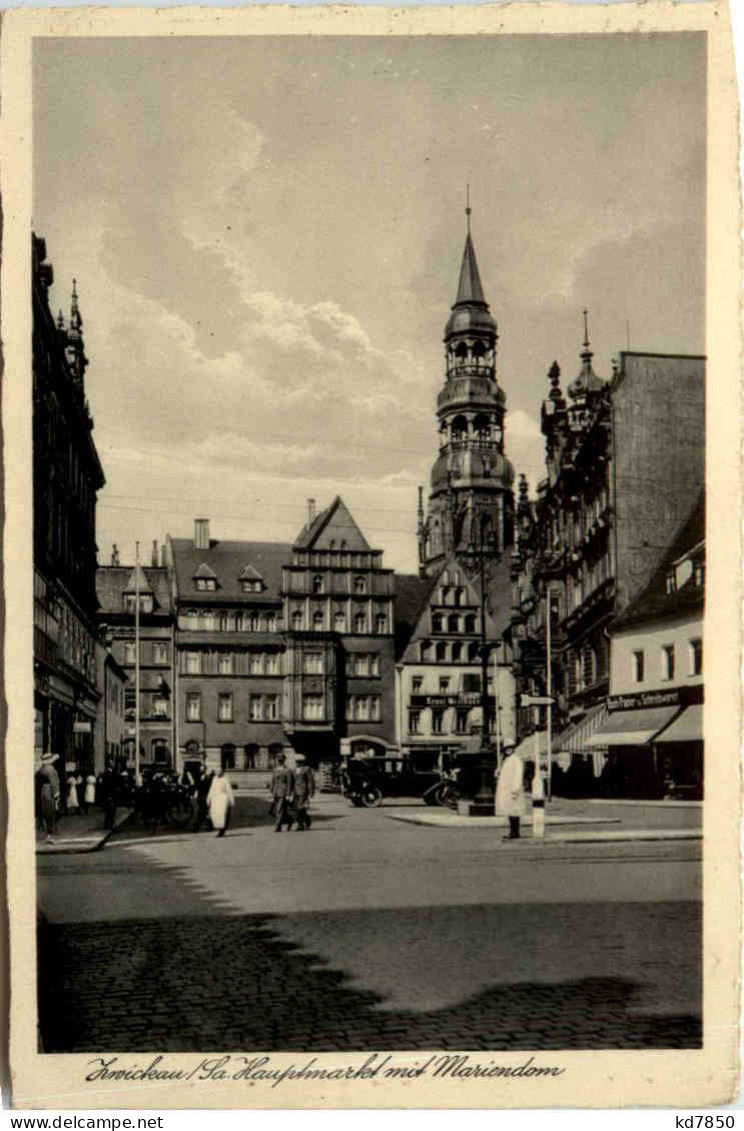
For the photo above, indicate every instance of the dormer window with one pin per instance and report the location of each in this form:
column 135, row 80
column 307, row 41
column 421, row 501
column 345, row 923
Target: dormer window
column 205, row 579
column 145, row 602
column 250, row 585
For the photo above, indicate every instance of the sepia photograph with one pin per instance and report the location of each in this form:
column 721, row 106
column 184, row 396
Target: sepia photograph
column 369, row 420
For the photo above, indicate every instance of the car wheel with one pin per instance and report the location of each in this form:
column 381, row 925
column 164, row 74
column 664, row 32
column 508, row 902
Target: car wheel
column 371, row 797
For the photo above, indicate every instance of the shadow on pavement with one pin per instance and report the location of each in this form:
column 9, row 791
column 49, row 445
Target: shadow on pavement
column 206, row 983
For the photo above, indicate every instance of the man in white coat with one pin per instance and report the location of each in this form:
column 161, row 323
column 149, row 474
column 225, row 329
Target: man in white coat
column 510, row 799
column 220, row 801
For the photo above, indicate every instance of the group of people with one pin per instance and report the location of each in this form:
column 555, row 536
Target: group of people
column 291, row 792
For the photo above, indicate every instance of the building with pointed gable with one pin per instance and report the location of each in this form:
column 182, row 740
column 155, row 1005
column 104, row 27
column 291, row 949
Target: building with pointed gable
column 441, row 670
column 119, row 587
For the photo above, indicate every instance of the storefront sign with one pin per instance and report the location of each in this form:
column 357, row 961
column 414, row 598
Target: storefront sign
column 669, row 698
column 81, row 728
column 464, row 700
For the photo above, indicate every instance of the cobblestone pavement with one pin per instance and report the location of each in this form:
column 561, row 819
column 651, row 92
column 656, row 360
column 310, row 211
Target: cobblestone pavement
column 333, row 941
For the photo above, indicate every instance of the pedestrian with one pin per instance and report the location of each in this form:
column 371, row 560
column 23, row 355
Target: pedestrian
column 304, row 791
column 203, row 786
column 282, row 790
column 73, row 803
column 510, row 799
column 89, row 794
column 220, row 801
column 49, row 793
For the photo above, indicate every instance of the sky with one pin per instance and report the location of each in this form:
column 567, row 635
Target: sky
column 266, row 234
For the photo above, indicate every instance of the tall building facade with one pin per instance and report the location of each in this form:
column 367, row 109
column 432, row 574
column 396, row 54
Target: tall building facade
column 67, row 476
column 470, row 507
column 625, row 459
column 282, row 647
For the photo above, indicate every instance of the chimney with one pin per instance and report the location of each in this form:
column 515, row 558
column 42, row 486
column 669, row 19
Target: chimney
column 154, row 553
column 114, row 555
column 310, row 510
column 201, row 533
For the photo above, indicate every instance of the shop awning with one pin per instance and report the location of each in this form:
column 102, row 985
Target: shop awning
column 687, row 727
column 632, row 728
column 575, row 738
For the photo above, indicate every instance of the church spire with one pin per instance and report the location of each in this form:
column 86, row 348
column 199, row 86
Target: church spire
column 587, row 380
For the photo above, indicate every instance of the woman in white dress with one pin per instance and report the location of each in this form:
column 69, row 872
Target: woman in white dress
column 220, row 801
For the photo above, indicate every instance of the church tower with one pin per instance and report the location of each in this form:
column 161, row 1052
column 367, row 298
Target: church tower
column 471, row 504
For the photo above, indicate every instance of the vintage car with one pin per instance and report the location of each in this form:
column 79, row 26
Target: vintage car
column 366, row 781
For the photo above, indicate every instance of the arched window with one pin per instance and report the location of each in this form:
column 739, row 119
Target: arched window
column 360, row 622
column 461, row 351
column 470, row 622
column 380, row 623
column 473, row 651
column 459, row 429
column 482, row 427
column 459, row 594
column 318, row 621
column 425, row 649
column 453, row 622
column 437, row 622
column 339, row 620
column 271, row 622
column 441, row 650
column 191, row 618
column 296, row 620
column 360, row 584
column 456, row 652
column 255, row 622
column 479, row 350
column 224, row 622
column 318, row 583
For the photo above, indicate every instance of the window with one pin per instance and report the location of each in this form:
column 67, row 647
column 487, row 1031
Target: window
column 471, row 683
column 130, row 654
column 470, row 623
column 696, row 657
column 160, row 653
column 312, row 663
column 254, row 622
column 425, row 650
column 318, row 585
column 206, row 621
column 160, row 707
column 271, row 665
column 296, row 620
column 271, row 622
column 461, row 722
column 459, row 594
column 374, row 664
column 225, row 663
column 363, row 708
column 145, row 602
column 437, row 721
column 255, row 663
column 225, row 707
column 193, row 663
column 667, row 661
column 473, row 652
column 271, row 704
column 255, row 708
column 360, row 622
column 456, row 652
column 206, row 584
column 638, row 667
column 339, row 620
column 380, row 624
column 312, row 707
column 414, row 722
column 453, row 623
column 252, row 585
column 193, row 707
column 417, row 684
column 441, row 651
column 318, row 621
column 444, row 683
column 437, row 623
column 191, row 619
column 360, row 585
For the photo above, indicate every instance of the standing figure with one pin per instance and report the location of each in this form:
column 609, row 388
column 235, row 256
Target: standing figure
column 510, row 799
column 73, row 804
column 49, row 793
column 304, row 791
column 89, row 793
column 282, row 790
column 220, row 801
column 203, row 785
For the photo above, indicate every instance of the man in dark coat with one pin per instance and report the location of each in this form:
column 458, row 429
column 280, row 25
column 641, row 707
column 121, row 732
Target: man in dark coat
column 282, row 788
column 304, row 791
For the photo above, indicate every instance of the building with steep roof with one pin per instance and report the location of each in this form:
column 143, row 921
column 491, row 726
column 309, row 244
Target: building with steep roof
column 654, row 727
column 470, row 506
column 119, row 587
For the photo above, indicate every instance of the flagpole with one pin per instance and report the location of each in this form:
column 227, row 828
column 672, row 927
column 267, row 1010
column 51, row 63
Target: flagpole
column 549, row 687
column 137, row 777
